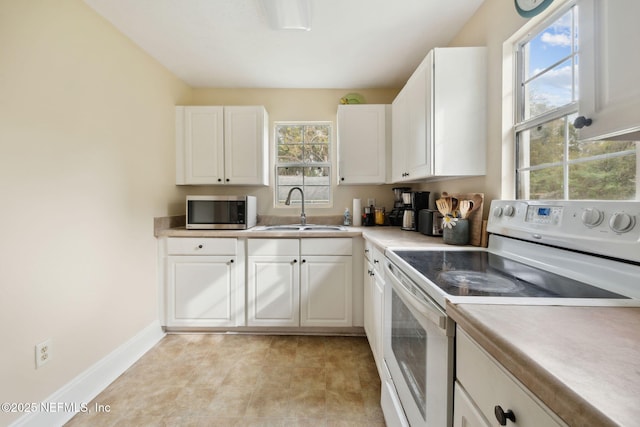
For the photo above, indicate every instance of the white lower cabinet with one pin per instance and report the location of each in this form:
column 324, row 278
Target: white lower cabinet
column 485, row 391
column 204, row 283
column 273, row 282
column 299, row 282
column 465, row 413
column 374, row 302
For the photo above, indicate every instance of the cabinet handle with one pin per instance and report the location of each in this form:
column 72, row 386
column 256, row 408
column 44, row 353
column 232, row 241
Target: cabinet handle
column 502, row 416
column 375, row 261
column 581, row 122
column 366, row 251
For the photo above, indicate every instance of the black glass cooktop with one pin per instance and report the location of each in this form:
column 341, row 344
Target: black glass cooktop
column 478, row 273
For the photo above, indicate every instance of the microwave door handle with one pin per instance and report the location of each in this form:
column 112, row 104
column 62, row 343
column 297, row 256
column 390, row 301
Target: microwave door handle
column 424, row 305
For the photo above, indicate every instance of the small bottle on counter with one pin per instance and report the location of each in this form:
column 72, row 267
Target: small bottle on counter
column 347, row 217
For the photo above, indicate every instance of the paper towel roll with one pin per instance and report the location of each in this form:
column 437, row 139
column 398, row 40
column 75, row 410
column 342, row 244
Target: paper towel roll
column 357, row 213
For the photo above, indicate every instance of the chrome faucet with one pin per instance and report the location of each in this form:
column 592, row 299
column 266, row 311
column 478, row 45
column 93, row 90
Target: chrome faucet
column 303, row 217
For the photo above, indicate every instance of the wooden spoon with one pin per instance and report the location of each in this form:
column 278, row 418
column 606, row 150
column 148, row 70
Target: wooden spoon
column 465, row 206
column 442, row 206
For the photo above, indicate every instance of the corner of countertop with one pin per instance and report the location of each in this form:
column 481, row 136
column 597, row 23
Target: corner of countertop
column 167, row 222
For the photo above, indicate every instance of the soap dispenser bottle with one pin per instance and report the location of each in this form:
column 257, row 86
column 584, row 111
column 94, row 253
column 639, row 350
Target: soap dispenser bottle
column 347, row 217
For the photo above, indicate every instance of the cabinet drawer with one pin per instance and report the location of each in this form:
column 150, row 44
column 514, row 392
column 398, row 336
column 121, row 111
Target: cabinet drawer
column 368, row 250
column 201, row 246
column 489, row 385
column 330, row 246
column 271, row 247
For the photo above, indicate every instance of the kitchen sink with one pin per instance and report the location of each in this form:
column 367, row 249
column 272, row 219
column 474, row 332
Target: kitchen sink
column 300, row 227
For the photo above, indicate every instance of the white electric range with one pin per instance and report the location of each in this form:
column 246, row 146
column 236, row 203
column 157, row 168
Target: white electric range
column 583, row 253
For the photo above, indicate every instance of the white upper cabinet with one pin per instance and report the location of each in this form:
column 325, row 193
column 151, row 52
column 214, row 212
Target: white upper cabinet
column 439, row 117
column 609, row 90
column 364, row 135
column 222, row 145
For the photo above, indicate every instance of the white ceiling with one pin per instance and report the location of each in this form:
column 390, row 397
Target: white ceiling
column 227, row 43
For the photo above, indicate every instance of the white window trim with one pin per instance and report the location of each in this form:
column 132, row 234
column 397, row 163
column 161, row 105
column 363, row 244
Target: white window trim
column 510, row 93
column 274, row 169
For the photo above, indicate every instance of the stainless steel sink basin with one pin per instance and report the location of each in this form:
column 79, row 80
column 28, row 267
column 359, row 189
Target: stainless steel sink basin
column 300, row 227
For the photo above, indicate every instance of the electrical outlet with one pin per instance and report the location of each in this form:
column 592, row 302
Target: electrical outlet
column 43, row 353
column 371, row 202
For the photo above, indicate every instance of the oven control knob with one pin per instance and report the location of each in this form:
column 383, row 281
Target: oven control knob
column 592, row 217
column 621, row 222
column 497, row 212
column 509, row 210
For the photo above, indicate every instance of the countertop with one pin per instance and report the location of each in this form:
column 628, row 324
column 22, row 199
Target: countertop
column 382, row 236
column 582, row 362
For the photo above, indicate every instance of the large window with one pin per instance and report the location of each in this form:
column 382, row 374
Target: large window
column 303, row 160
column 550, row 161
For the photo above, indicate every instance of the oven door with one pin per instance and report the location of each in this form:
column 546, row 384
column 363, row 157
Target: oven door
column 418, row 350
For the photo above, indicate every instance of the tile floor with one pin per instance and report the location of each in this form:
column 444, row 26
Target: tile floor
column 245, row 380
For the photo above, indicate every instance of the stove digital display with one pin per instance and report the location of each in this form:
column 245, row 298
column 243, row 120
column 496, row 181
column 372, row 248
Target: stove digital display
column 544, row 211
column 479, row 273
column 544, row 215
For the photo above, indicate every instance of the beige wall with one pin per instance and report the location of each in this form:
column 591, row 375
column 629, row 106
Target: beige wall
column 86, row 162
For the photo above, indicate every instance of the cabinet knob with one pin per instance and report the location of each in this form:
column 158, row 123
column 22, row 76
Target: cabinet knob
column 375, row 261
column 227, row 179
column 295, row 261
column 231, row 261
column 199, row 246
column 581, row 121
column 503, row 416
column 219, row 179
column 342, row 179
column 304, row 260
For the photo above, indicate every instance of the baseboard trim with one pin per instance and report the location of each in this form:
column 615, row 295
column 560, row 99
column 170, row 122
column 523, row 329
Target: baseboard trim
column 86, row 386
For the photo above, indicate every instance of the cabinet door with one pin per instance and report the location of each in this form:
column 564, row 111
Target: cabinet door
column 609, row 93
column 400, row 136
column 201, row 291
column 273, row 291
column 362, row 144
column 199, row 145
column 419, row 101
column 377, row 297
column 326, row 291
column 246, row 145
column 465, row 412
column 369, row 328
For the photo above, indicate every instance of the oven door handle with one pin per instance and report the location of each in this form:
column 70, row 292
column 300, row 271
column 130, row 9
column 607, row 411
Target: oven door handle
column 415, row 296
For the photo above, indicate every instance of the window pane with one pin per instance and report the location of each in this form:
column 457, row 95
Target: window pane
column 290, row 153
column 315, row 134
column 583, row 149
column 316, row 153
column 550, row 46
column 606, row 179
column 317, row 176
column 542, row 144
column 550, row 90
column 291, row 176
column 290, row 134
column 541, row 184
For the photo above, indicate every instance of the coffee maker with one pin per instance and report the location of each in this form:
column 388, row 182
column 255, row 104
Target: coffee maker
column 397, row 213
column 413, row 202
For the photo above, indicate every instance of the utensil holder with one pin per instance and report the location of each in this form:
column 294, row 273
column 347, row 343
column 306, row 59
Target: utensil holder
column 458, row 234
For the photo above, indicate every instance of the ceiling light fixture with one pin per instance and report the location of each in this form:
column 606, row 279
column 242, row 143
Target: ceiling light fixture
column 288, row 14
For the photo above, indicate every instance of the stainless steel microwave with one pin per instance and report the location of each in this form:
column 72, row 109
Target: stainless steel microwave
column 221, row 212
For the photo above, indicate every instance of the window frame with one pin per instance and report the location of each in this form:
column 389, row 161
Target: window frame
column 329, row 165
column 522, row 124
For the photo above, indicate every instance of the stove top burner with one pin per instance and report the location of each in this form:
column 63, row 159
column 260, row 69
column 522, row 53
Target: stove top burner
column 481, row 273
column 467, row 281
